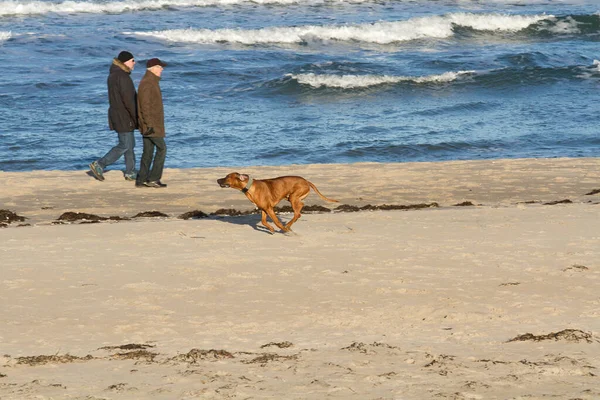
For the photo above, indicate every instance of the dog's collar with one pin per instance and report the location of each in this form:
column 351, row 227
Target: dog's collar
column 248, row 185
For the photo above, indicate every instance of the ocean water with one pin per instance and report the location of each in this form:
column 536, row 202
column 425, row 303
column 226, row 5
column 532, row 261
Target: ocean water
column 270, row 82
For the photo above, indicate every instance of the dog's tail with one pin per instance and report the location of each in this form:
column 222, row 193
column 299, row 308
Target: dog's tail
column 319, row 193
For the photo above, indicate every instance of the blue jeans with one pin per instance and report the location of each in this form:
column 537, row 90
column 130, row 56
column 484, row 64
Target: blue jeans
column 145, row 174
column 125, row 146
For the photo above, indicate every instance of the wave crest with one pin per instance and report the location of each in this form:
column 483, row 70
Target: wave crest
column 12, row 7
column 363, row 81
column 437, row 27
column 5, row 36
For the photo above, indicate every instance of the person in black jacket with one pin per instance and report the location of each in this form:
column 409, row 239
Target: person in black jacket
column 122, row 116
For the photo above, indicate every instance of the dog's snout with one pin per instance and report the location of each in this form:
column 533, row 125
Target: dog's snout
column 221, row 182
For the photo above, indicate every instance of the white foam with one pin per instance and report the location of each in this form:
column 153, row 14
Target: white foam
column 68, row 7
column 5, row 36
column 378, row 33
column 362, row 81
column 12, row 7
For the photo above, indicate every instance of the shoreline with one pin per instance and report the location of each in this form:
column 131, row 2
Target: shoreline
column 43, row 196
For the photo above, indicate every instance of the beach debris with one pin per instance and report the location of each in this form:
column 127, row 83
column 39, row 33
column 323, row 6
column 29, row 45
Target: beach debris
column 119, row 387
column 150, row 214
column 196, row 214
column 443, row 363
column 86, row 218
column 137, row 352
column 7, row 217
column 570, row 335
column 53, row 359
column 131, row 346
column 135, row 355
column 510, row 284
column 233, row 212
column 464, row 204
column 471, row 385
column 441, row 359
column 385, row 207
column 316, row 209
column 71, row 216
column 269, row 357
column 195, row 355
column 281, row 345
column 347, row 208
column 305, row 209
column 577, row 267
column 408, row 207
column 595, row 191
column 367, row 348
column 552, row 203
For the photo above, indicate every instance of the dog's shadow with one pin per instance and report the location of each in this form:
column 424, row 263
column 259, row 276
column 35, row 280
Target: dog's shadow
column 253, row 220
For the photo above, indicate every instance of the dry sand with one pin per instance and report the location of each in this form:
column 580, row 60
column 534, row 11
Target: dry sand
column 495, row 300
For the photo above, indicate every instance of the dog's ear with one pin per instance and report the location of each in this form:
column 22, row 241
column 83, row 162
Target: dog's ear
column 244, row 177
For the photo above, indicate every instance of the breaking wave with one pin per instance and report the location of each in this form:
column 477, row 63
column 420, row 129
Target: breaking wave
column 5, row 36
column 363, row 81
column 437, row 27
column 38, row 7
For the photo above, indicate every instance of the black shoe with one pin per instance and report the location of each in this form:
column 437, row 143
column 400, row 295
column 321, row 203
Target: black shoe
column 140, row 185
column 155, row 184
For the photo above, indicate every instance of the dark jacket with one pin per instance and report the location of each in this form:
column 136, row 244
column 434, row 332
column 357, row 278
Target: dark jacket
column 150, row 106
column 122, row 113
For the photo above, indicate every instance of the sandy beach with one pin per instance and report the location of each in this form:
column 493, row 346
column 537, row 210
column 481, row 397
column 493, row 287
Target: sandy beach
column 453, row 280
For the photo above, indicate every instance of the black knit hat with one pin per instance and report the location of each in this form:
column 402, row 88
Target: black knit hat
column 124, row 56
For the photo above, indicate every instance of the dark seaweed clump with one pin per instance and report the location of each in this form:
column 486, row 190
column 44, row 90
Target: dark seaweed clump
column 196, row 214
column 150, row 214
column 8, row 217
column 570, row 335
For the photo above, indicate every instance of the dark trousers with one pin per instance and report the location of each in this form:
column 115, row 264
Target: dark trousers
column 145, row 174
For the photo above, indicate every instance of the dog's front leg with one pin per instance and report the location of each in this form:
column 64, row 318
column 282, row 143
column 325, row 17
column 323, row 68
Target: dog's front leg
column 264, row 221
column 276, row 220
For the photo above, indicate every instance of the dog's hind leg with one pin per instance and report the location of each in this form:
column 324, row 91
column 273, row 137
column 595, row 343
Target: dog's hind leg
column 297, row 205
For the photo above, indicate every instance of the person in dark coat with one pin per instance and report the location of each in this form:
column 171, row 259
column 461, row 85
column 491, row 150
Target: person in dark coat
column 151, row 118
column 122, row 116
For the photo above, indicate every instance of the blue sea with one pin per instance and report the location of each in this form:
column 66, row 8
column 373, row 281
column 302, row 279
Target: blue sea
column 271, row 82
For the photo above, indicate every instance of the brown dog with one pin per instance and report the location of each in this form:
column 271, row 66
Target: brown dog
column 266, row 193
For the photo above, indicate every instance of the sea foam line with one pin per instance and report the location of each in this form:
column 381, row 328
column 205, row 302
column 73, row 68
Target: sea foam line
column 5, row 36
column 12, row 7
column 362, row 81
column 380, row 33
